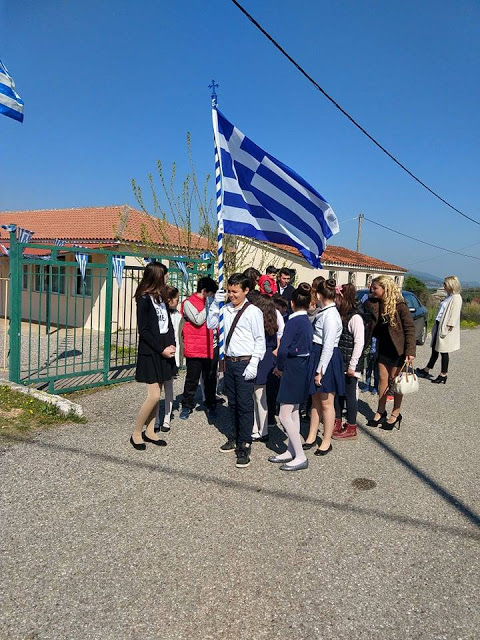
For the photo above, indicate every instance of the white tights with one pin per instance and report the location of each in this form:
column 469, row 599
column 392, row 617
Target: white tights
column 260, row 416
column 290, row 419
column 168, row 386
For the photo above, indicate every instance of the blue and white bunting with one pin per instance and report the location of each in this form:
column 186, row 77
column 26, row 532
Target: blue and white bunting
column 118, row 267
column 24, row 235
column 4, row 249
column 82, row 259
column 59, row 243
column 264, row 199
column 11, row 104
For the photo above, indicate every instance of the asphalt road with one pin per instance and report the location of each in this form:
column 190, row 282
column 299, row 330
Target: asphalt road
column 99, row 541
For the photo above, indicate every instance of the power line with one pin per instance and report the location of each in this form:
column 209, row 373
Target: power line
column 475, row 244
column 429, row 244
column 352, row 120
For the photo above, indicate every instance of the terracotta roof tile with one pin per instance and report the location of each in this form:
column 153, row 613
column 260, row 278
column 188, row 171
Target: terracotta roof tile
column 342, row 256
column 100, row 224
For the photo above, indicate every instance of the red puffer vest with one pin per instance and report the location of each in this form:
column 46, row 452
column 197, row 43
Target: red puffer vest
column 197, row 341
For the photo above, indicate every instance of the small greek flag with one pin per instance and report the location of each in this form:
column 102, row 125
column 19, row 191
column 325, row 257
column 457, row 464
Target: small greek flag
column 183, row 268
column 262, row 198
column 118, row 267
column 4, row 249
column 82, row 259
column 206, row 255
column 11, row 104
column 24, row 235
column 59, row 243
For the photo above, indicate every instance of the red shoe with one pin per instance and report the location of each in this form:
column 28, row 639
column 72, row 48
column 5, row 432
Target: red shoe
column 338, row 425
column 390, row 397
column 349, row 432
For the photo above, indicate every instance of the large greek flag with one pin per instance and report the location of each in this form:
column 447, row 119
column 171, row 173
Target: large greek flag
column 11, row 104
column 264, row 199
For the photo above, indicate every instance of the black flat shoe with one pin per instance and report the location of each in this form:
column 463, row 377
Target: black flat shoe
column 320, row 452
column 391, row 425
column 140, row 447
column 159, row 443
column 440, row 380
column 421, row 373
column 306, row 446
column 375, row 423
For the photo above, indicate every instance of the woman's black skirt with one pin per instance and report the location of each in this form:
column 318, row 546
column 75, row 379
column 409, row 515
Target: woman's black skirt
column 155, row 368
column 294, row 381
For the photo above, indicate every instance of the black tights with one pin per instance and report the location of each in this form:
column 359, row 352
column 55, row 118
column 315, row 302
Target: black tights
column 434, row 358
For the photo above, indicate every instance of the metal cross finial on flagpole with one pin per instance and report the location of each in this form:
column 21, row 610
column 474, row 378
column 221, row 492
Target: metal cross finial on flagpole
column 213, row 86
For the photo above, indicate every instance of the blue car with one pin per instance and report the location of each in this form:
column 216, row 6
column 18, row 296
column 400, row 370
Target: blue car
column 418, row 311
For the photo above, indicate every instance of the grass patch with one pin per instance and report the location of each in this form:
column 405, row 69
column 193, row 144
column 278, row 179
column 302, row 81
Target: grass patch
column 468, row 324
column 20, row 414
column 470, row 315
column 118, row 352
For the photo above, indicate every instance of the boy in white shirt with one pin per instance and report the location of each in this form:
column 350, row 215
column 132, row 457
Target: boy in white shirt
column 244, row 348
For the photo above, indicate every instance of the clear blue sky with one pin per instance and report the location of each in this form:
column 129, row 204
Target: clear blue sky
column 112, row 86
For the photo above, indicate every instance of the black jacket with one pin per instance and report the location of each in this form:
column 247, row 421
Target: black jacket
column 287, row 294
column 151, row 341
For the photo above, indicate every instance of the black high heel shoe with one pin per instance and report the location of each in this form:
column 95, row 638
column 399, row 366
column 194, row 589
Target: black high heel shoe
column 374, row 423
column 391, row 425
column 440, row 380
column 421, row 373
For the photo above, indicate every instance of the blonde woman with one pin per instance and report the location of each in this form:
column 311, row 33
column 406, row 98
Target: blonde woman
column 395, row 332
column 446, row 330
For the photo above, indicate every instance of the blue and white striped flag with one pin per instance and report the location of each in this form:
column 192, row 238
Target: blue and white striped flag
column 24, row 235
column 183, row 268
column 59, row 243
column 82, row 259
column 118, row 267
column 4, row 249
column 262, row 198
column 206, row 255
column 11, row 104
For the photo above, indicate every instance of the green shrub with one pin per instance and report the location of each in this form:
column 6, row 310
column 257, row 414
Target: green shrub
column 471, row 313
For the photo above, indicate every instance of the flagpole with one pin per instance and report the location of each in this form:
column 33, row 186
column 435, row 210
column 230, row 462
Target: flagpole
column 218, row 186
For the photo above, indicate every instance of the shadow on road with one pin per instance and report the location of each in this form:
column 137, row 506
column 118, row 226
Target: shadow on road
column 457, row 504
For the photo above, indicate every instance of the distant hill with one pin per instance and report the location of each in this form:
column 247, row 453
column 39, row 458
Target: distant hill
column 433, row 282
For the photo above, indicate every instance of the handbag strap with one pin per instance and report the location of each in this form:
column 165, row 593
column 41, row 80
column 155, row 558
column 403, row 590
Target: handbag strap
column 234, row 324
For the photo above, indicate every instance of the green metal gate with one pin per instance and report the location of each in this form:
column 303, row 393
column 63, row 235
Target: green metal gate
column 68, row 333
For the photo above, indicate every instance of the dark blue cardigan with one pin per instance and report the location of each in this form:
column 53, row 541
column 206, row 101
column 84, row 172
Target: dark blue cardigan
column 297, row 339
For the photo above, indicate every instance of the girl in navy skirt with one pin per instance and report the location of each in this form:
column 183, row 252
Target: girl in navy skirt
column 274, row 325
column 292, row 366
column 326, row 376
column 156, row 350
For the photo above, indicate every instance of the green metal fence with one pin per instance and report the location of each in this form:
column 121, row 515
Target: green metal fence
column 68, row 333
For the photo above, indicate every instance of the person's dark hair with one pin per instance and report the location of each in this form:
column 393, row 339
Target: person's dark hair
column 253, row 296
column 271, row 270
column 207, row 283
column 172, row 292
column 253, row 275
column 280, row 301
column 327, row 289
column 241, row 280
column 153, row 282
column 346, row 300
column 315, row 282
column 285, row 271
column 267, row 306
column 302, row 296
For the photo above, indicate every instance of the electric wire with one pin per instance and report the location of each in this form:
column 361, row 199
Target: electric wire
column 412, row 264
column 429, row 244
column 345, row 113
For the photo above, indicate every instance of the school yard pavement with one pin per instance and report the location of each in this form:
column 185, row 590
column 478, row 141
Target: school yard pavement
column 103, row 542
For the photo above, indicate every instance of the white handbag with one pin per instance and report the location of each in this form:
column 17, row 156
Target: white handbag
column 406, row 381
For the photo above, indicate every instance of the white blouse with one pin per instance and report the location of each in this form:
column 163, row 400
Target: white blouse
column 162, row 315
column 443, row 306
column 327, row 330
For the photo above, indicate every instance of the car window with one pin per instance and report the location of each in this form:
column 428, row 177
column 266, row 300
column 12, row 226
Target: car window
column 411, row 301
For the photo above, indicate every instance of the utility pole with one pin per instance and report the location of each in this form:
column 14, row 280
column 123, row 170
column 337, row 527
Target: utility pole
column 359, row 232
